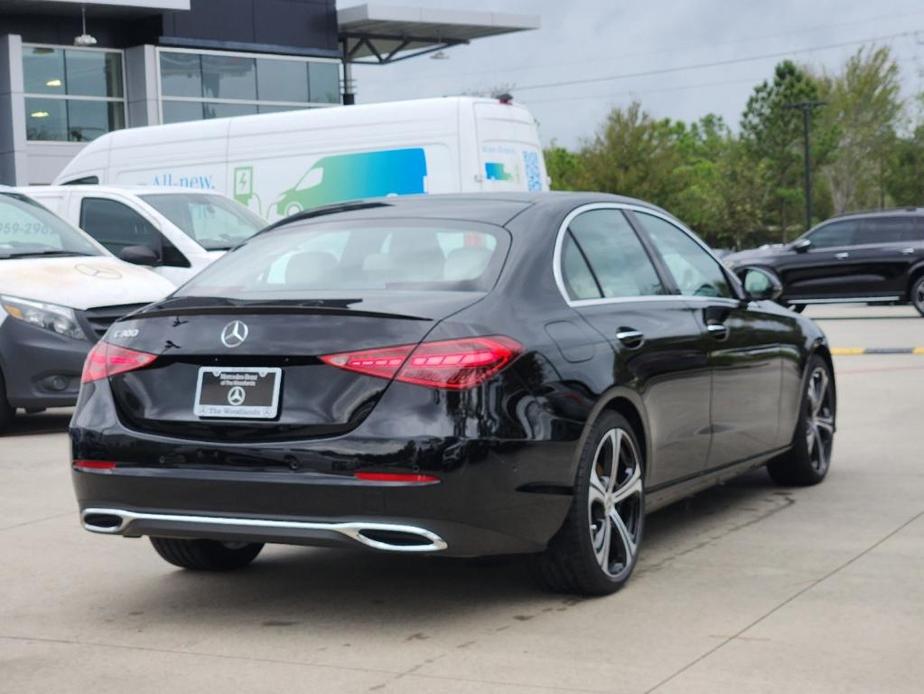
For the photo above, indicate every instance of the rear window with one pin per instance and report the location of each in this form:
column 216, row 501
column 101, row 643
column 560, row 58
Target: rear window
column 335, row 258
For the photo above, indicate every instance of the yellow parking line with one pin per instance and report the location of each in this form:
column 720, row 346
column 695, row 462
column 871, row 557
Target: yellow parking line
column 847, row 351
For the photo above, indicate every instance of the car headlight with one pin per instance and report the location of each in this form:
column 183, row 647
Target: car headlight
column 58, row 319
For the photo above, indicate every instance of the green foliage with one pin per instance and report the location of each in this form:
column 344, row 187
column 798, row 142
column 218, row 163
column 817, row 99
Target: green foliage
column 743, row 189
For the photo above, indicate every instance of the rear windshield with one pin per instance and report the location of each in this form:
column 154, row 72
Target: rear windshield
column 28, row 229
column 324, row 259
column 214, row 222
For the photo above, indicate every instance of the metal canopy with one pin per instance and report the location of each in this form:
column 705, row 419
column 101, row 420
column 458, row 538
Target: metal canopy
column 381, row 34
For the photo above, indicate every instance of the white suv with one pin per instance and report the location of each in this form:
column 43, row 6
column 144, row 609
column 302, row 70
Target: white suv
column 176, row 231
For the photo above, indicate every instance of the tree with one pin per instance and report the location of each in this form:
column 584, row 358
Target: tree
column 773, row 135
column 862, row 115
column 565, row 168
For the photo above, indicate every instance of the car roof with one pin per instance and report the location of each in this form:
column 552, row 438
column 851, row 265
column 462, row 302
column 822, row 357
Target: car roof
column 891, row 212
column 103, row 188
column 488, row 208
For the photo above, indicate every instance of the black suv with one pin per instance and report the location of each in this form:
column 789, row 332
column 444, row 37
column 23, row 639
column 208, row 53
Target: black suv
column 867, row 257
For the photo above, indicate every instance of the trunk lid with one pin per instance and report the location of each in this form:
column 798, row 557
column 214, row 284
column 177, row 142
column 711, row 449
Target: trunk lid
column 315, row 399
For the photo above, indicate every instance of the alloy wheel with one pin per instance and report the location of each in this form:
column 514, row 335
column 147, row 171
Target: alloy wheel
column 819, row 420
column 917, row 296
column 614, row 504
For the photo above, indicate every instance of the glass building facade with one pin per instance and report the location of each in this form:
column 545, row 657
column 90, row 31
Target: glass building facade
column 72, row 94
column 197, row 85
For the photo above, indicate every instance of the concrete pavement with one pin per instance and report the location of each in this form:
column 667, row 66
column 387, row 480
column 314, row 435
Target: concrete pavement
column 745, row 588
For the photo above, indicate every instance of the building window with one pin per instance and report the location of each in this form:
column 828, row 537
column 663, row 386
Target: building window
column 72, row 94
column 197, row 85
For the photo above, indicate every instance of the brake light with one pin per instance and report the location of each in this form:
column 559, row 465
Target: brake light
column 97, row 465
column 396, row 477
column 106, row 360
column 449, row 364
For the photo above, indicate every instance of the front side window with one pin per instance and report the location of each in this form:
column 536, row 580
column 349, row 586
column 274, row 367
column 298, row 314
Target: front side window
column 117, row 226
column 345, row 259
column 196, row 86
column 72, row 94
column 695, row 272
column 835, row 234
column 27, row 228
column 619, row 264
column 212, row 221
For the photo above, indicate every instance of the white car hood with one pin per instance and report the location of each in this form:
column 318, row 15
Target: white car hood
column 81, row 282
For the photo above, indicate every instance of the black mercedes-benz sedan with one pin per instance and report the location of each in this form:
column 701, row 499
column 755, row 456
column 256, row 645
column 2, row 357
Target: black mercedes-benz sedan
column 455, row 375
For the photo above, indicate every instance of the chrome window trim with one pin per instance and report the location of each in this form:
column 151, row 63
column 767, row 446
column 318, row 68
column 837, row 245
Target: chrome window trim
column 623, row 206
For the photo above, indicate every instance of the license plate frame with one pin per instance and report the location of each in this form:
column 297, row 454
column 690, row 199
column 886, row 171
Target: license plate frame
column 250, row 382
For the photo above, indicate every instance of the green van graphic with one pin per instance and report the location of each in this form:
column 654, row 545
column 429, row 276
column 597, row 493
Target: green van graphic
column 350, row 176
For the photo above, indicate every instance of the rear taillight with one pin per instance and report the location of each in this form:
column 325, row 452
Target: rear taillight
column 451, row 364
column 106, row 360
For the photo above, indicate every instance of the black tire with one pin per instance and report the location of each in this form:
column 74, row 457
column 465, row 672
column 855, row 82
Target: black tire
column 809, row 458
column 206, row 555
column 917, row 293
column 575, row 557
column 7, row 411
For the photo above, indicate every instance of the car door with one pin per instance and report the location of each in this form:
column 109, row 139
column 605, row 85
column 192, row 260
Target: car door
column 745, row 342
column 825, row 269
column 883, row 255
column 117, row 226
column 657, row 343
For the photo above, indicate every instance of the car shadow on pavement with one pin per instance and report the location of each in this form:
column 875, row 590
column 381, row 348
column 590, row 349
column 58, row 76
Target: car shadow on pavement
column 50, row 422
column 287, row 586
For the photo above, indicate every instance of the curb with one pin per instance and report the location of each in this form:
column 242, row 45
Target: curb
column 859, row 351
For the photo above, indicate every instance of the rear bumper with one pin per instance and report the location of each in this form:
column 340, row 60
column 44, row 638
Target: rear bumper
column 40, row 368
column 470, row 512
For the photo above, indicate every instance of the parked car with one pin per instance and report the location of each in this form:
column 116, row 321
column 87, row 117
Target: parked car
column 175, row 231
column 280, row 163
column 59, row 292
column 870, row 257
column 461, row 375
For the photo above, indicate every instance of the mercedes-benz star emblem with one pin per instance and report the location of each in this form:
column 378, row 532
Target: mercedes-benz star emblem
column 236, row 396
column 101, row 273
column 234, row 334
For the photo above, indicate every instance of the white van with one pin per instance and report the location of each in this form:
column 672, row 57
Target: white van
column 278, row 164
column 59, row 293
column 175, row 231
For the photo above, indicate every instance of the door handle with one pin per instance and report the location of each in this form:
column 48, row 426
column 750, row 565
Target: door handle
column 907, row 251
column 841, row 256
column 633, row 339
column 717, row 330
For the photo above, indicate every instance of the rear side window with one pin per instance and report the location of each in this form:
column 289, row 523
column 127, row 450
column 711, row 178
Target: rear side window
column 618, row 261
column 889, row 230
column 117, row 226
column 345, row 258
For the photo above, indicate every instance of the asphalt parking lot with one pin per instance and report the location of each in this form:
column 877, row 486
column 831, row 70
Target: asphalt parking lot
column 745, row 588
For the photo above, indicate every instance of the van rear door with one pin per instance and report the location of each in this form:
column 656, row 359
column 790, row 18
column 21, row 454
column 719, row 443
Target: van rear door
column 509, row 149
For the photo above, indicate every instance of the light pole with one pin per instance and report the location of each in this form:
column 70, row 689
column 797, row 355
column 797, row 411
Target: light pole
column 807, row 107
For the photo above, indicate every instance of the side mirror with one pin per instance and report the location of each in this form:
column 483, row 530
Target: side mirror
column 760, row 284
column 139, row 255
column 802, row 245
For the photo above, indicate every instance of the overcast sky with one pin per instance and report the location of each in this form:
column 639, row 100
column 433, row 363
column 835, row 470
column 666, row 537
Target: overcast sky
column 589, row 39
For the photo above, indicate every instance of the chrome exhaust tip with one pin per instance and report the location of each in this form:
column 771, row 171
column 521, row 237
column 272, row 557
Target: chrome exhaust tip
column 382, row 536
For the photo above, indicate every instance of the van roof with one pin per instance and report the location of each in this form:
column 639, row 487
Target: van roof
column 316, row 118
